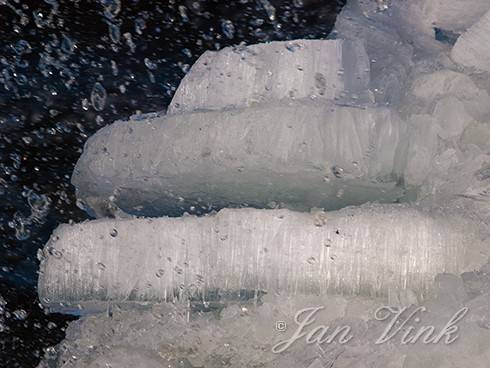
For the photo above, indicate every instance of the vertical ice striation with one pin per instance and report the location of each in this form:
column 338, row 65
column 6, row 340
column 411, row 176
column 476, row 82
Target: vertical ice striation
column 367, row 250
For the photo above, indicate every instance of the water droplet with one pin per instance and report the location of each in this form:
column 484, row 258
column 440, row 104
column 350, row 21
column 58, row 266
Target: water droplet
column 20, row 314
column 111, row 8
column 183, row 13
column 129, row 41
column 115, row 32
column 150, row 64
column 101, row 266
column 67, row 45
column 228, row 28
column 21, row 47
column 98, row 97
column 270, row 10
column 85, row 104
column 139, row 25
column 113, row 233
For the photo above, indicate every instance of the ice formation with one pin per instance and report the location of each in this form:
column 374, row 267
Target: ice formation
column 265, row 73
column 299, row 154
column 247, row 127
column 367, row 250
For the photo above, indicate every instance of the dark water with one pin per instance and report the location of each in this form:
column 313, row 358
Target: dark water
column 69, row 67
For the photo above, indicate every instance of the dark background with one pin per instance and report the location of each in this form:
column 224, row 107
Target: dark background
column 52, row 54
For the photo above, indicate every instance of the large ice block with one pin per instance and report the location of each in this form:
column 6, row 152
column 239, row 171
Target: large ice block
column 430, row 88
column 244, row 76
column 369, row 250
column 297, row 155
column 473, row 47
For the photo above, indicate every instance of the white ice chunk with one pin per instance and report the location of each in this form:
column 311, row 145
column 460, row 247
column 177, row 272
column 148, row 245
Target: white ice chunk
column 299, row 156
column 453, row 15
column 237, row 77
column 430, row 88
column 451, row 117
column 473, row 47
column 359, row 250
column 477, row 135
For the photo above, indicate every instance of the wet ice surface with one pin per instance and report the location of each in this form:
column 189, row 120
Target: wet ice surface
column 440, row 100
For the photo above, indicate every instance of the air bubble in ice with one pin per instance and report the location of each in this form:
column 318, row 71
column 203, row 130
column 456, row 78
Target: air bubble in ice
column 292, row 46
column 383, row 5
column 320, row 83
column 160, row 273
column 311, row 260
column 337, row 171
column 484, row 173
column 55, row 253
column 98, row 96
